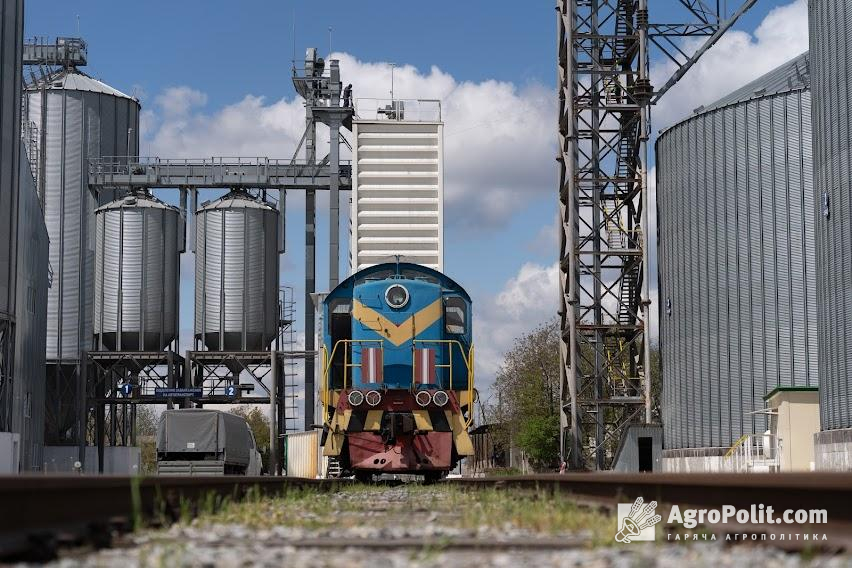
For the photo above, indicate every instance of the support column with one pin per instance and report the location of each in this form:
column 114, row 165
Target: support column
column 100, row 423
column 334, row 205
column 310, row 288
column 274, row 469
column 644, row 134
column 82, row 410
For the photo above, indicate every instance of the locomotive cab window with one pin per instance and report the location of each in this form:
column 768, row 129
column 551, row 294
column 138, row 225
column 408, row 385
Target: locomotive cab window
column 455, row 315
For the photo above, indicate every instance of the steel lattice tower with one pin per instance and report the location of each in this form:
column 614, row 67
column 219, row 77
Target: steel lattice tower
column 605, row 97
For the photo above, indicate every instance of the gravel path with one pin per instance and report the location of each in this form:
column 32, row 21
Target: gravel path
column 403, row 526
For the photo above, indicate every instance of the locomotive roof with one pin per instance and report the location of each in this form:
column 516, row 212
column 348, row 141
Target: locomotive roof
column 409, row 267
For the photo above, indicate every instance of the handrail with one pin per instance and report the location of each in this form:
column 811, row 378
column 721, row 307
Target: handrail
column 470, row 390
column 329, row 359
column 753, row 451
column 468, row 362
column 736, row 445
column 444, row 366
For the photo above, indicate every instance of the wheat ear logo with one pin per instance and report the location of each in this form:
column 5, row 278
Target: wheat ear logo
column 633, row 522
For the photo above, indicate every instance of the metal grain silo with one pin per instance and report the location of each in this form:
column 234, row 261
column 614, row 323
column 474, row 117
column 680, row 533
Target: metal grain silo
column 79, row 119
column 28, row 401
column 137, row 266
column 830, row 37
column 11, row 56
column 737, row 279
column 236, row 273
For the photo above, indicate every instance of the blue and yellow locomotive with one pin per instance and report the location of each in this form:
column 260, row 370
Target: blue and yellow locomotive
column 397, row 366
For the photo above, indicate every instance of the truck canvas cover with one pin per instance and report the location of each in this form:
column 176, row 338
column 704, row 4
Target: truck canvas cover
column 204, row 431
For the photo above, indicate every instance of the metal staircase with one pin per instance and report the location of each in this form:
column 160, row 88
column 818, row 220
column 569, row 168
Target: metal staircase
column 333, row 470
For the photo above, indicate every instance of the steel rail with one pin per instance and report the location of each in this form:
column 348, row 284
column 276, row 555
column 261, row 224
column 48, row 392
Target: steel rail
column 831, row 491
column 821, row 490
column 37, row 508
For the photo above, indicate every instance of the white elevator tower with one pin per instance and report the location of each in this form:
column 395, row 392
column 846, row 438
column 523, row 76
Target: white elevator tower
column 397, row 183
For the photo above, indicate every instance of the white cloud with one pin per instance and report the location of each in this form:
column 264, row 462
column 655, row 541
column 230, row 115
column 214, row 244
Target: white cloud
column 177, row 101
column 499, row 139
column 177, row 127
column 738, row 58
column 527, row 300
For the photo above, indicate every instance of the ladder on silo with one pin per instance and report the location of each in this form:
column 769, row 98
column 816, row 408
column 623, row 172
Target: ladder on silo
column 289, row 364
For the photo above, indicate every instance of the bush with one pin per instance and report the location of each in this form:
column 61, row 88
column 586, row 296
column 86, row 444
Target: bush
column 538, row 436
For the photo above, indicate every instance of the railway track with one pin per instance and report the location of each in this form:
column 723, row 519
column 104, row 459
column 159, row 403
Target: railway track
column 829, row 491
column 47, row 511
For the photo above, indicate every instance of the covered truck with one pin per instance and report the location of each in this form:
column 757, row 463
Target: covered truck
column 199, row 441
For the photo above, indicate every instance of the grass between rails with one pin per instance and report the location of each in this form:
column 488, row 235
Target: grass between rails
column 447, row 506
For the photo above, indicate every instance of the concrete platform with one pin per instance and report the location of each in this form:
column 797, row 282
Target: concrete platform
column 696, row 460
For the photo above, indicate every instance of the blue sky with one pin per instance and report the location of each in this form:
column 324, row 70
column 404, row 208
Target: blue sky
column 214, row 78
column 228, row 48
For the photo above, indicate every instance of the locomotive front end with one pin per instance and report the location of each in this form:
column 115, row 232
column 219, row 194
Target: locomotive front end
column 397, row 386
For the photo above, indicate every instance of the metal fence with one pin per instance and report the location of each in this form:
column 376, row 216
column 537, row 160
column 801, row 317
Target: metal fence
column 398, row 110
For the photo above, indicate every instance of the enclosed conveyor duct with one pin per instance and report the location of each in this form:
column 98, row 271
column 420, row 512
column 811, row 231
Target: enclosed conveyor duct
column 139, row 240
column 236, row 274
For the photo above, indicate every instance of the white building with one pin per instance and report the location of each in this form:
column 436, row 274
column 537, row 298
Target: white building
column 398, row 183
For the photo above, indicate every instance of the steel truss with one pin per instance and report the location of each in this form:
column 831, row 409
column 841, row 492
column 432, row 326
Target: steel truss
column 109, row 415
column 215, row 372
column 604, row 123
column 63, row 403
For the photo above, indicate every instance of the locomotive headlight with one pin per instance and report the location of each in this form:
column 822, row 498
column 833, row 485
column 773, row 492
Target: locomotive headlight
column 423, row 398
column 396, row 296
column 440, row 398
column 355, row 398
column 373, row 398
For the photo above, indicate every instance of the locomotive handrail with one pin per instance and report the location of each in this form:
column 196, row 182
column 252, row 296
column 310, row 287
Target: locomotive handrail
column 329, row 359
column 444, row 366
column 468, row 362
column 470, row 387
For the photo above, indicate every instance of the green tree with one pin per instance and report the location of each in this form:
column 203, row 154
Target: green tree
column 528, row 397
column 147, row 420
column 258, row 421
column 527, row 388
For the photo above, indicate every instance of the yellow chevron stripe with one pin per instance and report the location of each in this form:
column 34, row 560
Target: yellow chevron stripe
column 398, row 334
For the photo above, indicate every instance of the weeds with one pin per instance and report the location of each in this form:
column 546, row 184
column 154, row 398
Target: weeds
column 537, row 511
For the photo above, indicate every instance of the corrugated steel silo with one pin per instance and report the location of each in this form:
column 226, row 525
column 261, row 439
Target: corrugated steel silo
column 11, row 57
column 137, row 265
column 31, row 323
column 830, row 37
column 236, row 273
column 79, row 118
column 11, row 51
column 737, row 278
